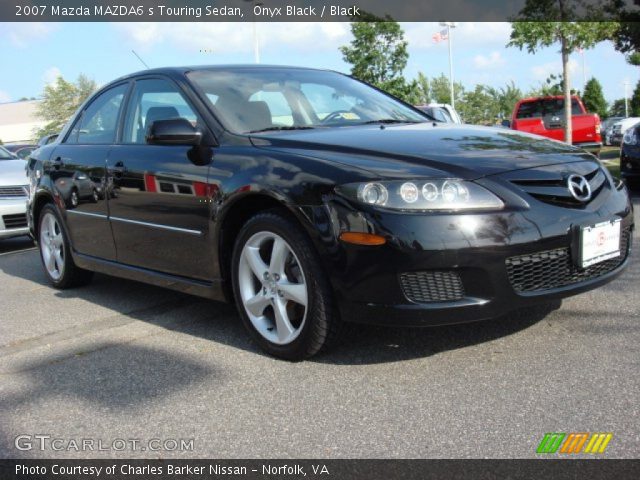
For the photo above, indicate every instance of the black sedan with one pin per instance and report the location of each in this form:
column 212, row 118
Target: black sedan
column 630, row 155
column 311, row 199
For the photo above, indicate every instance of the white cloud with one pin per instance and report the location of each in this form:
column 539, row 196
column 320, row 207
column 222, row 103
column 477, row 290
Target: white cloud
column 4, row 97
column 493, row 60
column 22, row 35
column 466, row 35
column 542, row 72
column 234, row 37
column 50, row 75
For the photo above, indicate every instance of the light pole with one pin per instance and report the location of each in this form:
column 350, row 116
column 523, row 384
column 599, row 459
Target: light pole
column 256, row 42
column 449, row 26
column 626, row 98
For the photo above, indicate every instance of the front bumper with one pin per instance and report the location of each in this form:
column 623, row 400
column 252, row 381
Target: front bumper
column 370, row 282
column 13, row 220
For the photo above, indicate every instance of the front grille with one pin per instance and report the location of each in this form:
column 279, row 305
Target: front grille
column 18, row 220
column 13, row 191
column 549, row 269
column 426, row 287
column 553, row 189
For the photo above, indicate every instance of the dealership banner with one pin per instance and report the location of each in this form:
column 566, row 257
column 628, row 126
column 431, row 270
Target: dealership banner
column 318, row 469
column 303, row 10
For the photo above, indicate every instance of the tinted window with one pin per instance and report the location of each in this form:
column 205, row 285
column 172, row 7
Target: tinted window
column 552, row 106
column 154, row 99
column 248, row 99
column 99, row 121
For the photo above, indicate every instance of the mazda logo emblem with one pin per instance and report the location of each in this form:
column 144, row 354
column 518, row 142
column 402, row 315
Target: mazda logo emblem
column 579, row 188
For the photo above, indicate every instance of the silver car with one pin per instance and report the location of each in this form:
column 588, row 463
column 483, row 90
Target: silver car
column 13, row 195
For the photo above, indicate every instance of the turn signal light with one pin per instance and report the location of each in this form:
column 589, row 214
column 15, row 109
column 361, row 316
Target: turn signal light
column 358, row 238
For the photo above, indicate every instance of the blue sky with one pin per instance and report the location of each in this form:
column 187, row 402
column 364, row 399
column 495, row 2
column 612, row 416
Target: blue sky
column 34, row 54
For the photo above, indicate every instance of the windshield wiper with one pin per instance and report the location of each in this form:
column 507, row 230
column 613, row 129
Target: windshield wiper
column 387, row 121
column 275, row 129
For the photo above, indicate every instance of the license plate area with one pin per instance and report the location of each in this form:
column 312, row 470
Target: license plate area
column 598, row 243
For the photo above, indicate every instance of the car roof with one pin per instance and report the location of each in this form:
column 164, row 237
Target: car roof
column 225, row 67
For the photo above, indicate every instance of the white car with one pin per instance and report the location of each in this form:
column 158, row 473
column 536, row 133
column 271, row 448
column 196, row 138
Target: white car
column 619, row 128
column 13, row 195
column 442, row 112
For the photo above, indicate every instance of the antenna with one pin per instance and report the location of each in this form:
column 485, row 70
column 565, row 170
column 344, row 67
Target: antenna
column 138, row 57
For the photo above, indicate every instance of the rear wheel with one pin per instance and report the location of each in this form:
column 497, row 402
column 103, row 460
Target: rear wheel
column 55, row 252
column 282, row 293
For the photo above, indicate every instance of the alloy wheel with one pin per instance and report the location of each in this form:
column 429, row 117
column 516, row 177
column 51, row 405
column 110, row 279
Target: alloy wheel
column 273, row 288
column 52, row 246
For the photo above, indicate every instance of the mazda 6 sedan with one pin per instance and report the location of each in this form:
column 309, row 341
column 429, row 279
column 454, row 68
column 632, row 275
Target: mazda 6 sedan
column 311, row 199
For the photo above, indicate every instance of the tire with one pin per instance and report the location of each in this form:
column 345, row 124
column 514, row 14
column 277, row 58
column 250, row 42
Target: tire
column 55, row 250
column 290, row 310
column 74, row 198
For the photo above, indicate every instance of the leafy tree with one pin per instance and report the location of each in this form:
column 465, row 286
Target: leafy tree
column 593, row 98
column 634, row 58
column 634, row 103
column 532, row 33
column 60, row 101
column 480, row 106
column 378, row 53
column 441, row 90
column 422, row 90
column 617, row 108
column 508, row 96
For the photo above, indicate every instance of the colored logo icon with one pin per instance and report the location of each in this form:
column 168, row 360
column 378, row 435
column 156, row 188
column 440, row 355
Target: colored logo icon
column 574, row 443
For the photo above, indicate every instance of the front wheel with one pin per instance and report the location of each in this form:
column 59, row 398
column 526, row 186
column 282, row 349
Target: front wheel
column 55, row 252
column 282, row 293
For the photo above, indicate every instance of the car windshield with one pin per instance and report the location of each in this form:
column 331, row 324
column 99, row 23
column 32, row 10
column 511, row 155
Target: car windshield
column 261, row 99
column 6, row 154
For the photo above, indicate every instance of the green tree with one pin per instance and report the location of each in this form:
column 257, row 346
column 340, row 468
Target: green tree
column 530, row 32
column 378, row 54
column 59, row 102
column 480, row 106
column 422, row 90
column 441, row 90
column 617, row 108
column 508, row 96
column 634, row 103
column 593, row 98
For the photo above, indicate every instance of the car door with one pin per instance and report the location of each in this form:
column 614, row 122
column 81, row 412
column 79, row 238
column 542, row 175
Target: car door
column 78, row 171
column 159, row 205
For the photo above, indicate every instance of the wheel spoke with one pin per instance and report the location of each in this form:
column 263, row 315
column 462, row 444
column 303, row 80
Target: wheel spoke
column 57, row 240
column 50, row 262
column 283, row 325
column 296, row 292
column 257, row 265
column 279, row 253
column 52, row 225
column 256, row 305
column 57, row 253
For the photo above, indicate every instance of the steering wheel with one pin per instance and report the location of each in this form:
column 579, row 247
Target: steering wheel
column 334, row 115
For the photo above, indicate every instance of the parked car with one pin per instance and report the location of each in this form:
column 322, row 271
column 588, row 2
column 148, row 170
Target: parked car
column 545, row 116
column 607, row 129
column 630, row 154
column 443, row 112
column 21, row 150
column 620, row 128
column 310, row 199
column 13, row 196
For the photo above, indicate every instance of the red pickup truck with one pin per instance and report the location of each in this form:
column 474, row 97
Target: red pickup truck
column 545, row 116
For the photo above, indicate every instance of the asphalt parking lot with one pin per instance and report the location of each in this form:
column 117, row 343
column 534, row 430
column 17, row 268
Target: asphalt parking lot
column 122, row 360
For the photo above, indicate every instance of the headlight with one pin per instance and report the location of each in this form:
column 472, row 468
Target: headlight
column 630, row 137
column 440, row 194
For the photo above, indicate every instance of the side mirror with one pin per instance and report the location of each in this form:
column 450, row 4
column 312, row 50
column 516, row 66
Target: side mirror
column 506, row 123
column 175, row 131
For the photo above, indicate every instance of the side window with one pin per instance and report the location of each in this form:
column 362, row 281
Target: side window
column 281, row 113
column 154, row 99
column 98, row 123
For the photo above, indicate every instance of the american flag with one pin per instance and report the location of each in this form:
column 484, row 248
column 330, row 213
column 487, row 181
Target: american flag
column 440, row 36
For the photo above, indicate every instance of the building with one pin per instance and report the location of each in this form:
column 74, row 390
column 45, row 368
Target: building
column 18, row 121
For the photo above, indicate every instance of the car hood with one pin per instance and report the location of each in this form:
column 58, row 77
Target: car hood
column 425, row 149
column 12, row 172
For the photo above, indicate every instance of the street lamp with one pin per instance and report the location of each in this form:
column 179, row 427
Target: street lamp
column 449, row 26
column 256, row 42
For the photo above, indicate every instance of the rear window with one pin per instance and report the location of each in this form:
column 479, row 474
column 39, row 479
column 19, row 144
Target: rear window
column 547, row 107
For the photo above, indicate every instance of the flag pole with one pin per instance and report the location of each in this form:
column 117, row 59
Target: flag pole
column 449, row 26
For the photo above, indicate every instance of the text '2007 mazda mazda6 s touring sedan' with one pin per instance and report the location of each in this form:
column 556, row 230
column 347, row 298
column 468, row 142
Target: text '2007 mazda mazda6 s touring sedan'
column 311, row 199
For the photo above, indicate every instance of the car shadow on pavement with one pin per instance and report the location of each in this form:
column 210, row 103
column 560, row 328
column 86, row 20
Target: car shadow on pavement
column 219, row 322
